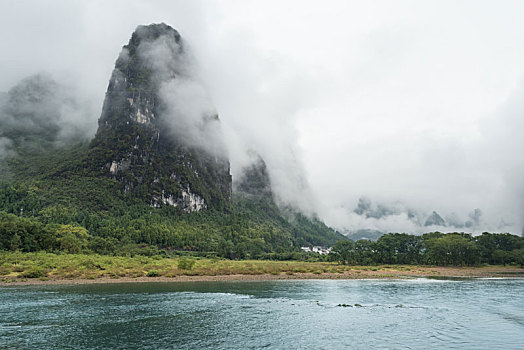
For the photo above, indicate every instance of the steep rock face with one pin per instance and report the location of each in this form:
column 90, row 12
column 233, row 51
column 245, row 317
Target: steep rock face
column 148, row 140
column 254, row 181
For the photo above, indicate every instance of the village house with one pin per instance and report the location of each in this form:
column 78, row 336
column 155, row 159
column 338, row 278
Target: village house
column 316, row 249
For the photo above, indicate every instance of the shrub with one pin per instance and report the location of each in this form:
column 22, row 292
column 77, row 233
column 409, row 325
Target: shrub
column 102, row 245
column 186, row 264
column 152, row 273
column 72, row 239
column 33, row 272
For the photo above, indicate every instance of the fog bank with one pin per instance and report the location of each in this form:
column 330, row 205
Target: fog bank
column 416, row 106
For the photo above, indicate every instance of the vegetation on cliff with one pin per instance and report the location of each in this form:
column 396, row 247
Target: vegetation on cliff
column 51, row 189
column 143, row 184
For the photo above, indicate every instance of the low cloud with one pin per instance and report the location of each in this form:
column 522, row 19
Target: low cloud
column 398, row 217
column 189, row 112
column 186, row 107
column 6, row 148
column 39, row 111
column 356, row 99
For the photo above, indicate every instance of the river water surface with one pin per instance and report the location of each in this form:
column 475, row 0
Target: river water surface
column 305, row 314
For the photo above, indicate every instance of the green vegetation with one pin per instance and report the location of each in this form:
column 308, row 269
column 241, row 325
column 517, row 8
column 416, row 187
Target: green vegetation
column 452, row 249
column 60, row 228
column 151, row 163
column 51, row 201
column 90, row 266
column 109, row 196
column 18, row 266
column 75, row 204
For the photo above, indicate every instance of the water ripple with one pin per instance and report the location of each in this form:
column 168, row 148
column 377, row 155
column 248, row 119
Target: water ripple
column 399, row 314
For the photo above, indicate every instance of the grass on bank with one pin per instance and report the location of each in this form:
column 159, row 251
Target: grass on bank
column 16, row 266
column 80, row 266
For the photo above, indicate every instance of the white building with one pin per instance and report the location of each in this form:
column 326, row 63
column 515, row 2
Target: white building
column 316, row 249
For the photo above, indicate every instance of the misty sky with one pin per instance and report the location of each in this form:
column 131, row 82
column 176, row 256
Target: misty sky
column 416, row 106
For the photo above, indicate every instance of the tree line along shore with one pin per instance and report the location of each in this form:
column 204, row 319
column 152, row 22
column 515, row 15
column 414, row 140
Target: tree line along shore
column 29, row 234
column 392, row 255
column 33, row 248
column 50, row 268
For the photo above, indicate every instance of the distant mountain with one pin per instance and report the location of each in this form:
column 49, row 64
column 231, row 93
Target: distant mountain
column 435, row 220
column 371, row 235
column 399, row 216
column 38, row 112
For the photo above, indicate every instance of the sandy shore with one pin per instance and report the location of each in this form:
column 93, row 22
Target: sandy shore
column 390, row 272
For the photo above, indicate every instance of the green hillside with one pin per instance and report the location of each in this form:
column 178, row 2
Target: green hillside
column 151, row 179
column 42, row 191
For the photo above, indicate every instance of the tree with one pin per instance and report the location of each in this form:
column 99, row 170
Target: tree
column 365, row 252
column 16, row 242
column 517, row 256
column 102, row 245
column 501, row 257
column 341, row 251
column 399, row 248
column 451, row 249
column 72, row 239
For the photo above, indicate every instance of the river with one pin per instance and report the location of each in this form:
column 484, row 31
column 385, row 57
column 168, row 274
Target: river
column 291, row 314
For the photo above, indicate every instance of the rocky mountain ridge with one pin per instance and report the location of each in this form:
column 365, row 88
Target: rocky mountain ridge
column 138, row 145
column 155, row 175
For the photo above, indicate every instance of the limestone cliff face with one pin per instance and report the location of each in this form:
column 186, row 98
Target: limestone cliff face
column 254, row 182
column 161, row 143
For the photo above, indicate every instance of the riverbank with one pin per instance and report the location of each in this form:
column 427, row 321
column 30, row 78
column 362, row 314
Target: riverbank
column 357, row 272
column 47, row 268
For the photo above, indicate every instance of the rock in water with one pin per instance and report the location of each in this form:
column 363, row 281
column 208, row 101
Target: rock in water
column 158, row 134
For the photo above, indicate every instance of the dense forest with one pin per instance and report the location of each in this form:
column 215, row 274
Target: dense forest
column 451, row 249
column 50, row 201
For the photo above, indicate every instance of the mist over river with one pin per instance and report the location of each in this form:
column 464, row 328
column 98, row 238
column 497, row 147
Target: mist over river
column 293, row 314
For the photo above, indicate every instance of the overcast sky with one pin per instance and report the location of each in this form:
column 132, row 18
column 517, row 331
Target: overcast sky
column 415, row 105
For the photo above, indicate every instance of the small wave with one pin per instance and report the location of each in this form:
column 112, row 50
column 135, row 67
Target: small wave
column 226, row 294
